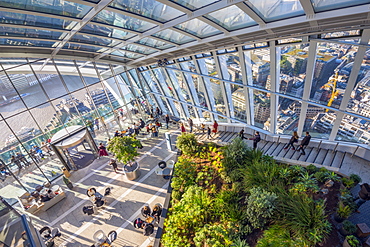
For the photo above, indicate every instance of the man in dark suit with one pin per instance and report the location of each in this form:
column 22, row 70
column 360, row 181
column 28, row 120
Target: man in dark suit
column 304, row 143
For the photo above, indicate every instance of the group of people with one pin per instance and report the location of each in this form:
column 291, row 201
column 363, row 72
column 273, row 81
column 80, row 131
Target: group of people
column 151, row 216
column 202, row 127
column 294, row 139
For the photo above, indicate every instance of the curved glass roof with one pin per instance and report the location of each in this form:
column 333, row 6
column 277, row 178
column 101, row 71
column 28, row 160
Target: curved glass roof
column 146, row 29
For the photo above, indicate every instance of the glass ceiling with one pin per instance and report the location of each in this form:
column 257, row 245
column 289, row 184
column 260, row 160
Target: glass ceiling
column 140, row 28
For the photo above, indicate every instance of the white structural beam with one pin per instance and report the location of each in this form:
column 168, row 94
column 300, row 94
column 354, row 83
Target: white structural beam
column 91, row 14
column 246, row 69
column 308, row 84
column 213, row 24
column 263, row 26
column 351, row 83
column 140, row 17
column 274, row 82
column 176, row 6
column 251, row 13
column 185, row 33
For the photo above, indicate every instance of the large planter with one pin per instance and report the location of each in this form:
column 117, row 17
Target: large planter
column 132, row 170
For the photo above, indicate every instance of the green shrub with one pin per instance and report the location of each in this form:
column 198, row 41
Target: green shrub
column 235, row 155
column 332, row 176
column 343, row 211
column 321, row 176
column 185, row 174
column 277, row 235
column 348, row 183
column 347, row 199
column 297, row 170
column 349, row 227
column 240, row 243
column 312, row 168
column 212, row 235
column 353, row 241
column 187, row 143
column 304, row 218
column 124, row 148
column 355, row 178
column 260, row 207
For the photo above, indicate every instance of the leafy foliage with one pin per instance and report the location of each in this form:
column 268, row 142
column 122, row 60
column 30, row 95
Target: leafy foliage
column 124, row 148
column 260, row 207
column 304, row 218
column 280, row 236
column 349, row 227
column 355, row 178
column 353, row 241
column 187, row 143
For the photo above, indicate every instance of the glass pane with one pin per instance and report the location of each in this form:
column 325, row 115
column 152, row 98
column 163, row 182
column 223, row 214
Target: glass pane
column 231, row 18
column 23, row 42
column 49, row 79
column 193, row 5
column 27, row 85
column 219, row 99
column 64, row 8
column 82, row 38
column 10, row 101
column 124, row 53
column 71, row 46
column 174, row 36
column 106, row 31
column 118, row 20
column 34, row 20
column 262, row 109
column 149, row 8
column 288, row 116
column 98, row 98
column 199, row 88
column 313, row 122
column 230, row 67
column 139, row 49
column 359, row 101
column 293, row 63
column 352, row 129
column 30, row 33
column 198, row 28
column 155, row 43
column 323, row 5
column 70, row 75
column 209, row 68
column 332, row 69
column 88, row 72
column 341, row 34
column 238, row 100
column 272, row 10
column 258, row 65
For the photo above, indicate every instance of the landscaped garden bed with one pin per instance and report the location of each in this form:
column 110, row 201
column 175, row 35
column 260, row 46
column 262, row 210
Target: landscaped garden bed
column 236, row 196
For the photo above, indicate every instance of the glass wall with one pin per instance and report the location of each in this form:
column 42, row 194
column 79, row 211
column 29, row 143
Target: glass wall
column 41, row 97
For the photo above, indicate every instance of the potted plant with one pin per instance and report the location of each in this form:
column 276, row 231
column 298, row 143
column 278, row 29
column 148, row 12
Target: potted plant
column 68, row 182
column 355, row 178
column 351, row 241
column 343, row 212
column 125, row 150
column 348, row 228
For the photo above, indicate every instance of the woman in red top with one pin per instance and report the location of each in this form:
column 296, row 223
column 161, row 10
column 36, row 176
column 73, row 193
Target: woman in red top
column 182, row 127
column 102, row 150
column 215, row 126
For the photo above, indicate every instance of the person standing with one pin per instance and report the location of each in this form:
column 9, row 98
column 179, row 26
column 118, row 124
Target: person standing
column 16, row 162
column 190, row 121
column 96, row 122
column 304, row 143
column 241, row 134
column 292, row 140
column 113, row 163
column 22, row 159
column 167, row 118
column 102, row 150
column 182, row 128
column 208, row 132
column 202, row 126
column 256, row 139
column 215, row 127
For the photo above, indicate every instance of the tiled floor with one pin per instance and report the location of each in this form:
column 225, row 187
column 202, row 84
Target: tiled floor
column 123, row 204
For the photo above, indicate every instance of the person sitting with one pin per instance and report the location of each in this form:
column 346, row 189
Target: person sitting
column 142, row 124
column 157, row 212
column 145, row 211
column 148, row 229
column 129, row 131
column 139, row 223
column 117, row 133
column 91, row 192
column 51, row 194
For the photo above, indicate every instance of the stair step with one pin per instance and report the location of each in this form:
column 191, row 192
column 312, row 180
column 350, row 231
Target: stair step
column 320, row 157
column 338, row 158
column 312, row 155
column 278, row 149
column 329, row 158
column 271, row 148
column 296, row 155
